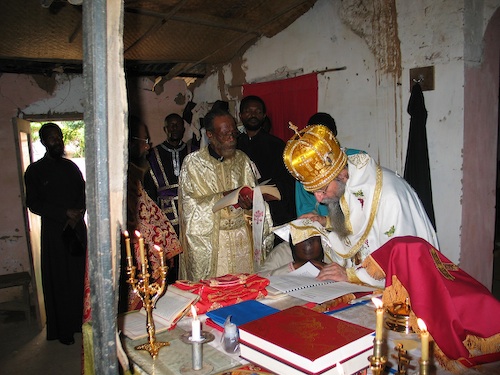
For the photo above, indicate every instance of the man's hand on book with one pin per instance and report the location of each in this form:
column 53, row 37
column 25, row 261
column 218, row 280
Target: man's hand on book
column 299, row 263
column 315, row 217
column 334, row 272
column 245, row 198
column 245, row 201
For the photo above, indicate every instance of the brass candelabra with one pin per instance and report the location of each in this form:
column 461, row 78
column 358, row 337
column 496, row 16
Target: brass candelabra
column 149, row 294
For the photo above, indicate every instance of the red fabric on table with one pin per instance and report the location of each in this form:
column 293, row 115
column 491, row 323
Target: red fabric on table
column 225, row 290
column 450, row 302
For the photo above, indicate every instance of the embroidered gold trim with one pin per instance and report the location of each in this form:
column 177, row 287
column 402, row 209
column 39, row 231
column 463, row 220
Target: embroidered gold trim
column 351, row 275
column 376, row 199
column 347, row 213
column 442, row 268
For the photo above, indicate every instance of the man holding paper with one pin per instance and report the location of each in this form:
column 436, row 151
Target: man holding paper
column 220, row 242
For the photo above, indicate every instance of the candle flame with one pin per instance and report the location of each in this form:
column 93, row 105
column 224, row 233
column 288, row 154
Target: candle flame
column 125, row 233
column 377, row 302
column 193, row 312
column 157, row 247
column 421, row 325
column 138, row 234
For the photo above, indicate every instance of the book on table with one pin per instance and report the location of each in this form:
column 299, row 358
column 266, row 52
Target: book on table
column 302, row 283
column 169, row 309
column 269, row 193
column 298, row 340
column 241, row 313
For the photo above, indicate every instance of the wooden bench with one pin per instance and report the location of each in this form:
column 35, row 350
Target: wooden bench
column 17, row 279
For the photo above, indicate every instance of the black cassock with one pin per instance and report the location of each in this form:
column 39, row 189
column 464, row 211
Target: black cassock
column 53, row 186
column 417, row 170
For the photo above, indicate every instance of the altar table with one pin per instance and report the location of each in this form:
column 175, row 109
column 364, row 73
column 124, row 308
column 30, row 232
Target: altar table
column 172, row 358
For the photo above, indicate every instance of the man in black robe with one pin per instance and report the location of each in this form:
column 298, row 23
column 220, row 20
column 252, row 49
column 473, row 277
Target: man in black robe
column 55, row 190
column 266, row 151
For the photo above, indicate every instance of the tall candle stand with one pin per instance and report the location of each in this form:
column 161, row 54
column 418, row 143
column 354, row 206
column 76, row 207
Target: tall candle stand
column 149, row 294
column 377, row 360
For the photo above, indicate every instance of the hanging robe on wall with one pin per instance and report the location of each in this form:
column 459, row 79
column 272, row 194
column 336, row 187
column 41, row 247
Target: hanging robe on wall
column 417, row 170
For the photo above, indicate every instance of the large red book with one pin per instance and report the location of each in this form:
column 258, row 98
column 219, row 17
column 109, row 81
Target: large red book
column 307, row 341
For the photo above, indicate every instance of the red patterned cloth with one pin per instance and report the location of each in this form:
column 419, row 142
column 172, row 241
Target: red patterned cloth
column 156, row 229
column 225, row 290
column 460, row 313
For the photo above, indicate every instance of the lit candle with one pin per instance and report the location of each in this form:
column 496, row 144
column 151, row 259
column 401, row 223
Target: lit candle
column 380, row 318
column 160, row 253
column 195, row 326
column 127, row 244
column 141, row 247
column 424, row 337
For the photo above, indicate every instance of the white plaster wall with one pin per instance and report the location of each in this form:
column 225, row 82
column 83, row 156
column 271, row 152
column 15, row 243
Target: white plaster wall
column 370, row 106
column 67, row 97
column 442, row 47
column 153, row 105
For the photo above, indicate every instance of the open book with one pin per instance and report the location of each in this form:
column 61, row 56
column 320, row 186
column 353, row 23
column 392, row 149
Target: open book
column 302, row 283
column 170, row 308
column 269, row 193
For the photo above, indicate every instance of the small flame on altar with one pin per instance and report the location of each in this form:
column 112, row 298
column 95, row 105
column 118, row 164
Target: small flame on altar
column 421, row 325
column 377, row 302
column 193, row 312
column 138, row 234
column 157, row 247
column 125, row 233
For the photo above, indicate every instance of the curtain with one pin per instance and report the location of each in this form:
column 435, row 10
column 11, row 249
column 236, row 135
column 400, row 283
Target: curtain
column 292, row 99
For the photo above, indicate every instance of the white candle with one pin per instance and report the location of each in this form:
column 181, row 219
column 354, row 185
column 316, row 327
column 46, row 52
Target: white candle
column 195, row 326
column 424, row 337
column 127, row 244
column 380, row 318
column 160, row 253
column 141, row 247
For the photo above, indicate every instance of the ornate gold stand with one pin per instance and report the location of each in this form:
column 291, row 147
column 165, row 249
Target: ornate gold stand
column 398, row 318
column 149, row 294
column 377, row 360
column 403, row 358
column 377, row 364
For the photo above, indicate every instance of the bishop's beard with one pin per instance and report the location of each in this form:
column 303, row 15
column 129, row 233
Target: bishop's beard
column 337, row 217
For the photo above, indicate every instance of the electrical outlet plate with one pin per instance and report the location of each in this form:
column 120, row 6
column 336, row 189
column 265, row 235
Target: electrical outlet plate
column 424, row 76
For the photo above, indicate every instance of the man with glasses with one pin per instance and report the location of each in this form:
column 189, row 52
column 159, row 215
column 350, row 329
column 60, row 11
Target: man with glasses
column 218, row 243
column 367, row 204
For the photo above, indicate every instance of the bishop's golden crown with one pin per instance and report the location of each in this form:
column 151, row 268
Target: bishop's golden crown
column 313, row 156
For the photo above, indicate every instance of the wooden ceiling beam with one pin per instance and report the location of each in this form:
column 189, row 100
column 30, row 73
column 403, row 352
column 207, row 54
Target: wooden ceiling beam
column 222, row 24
